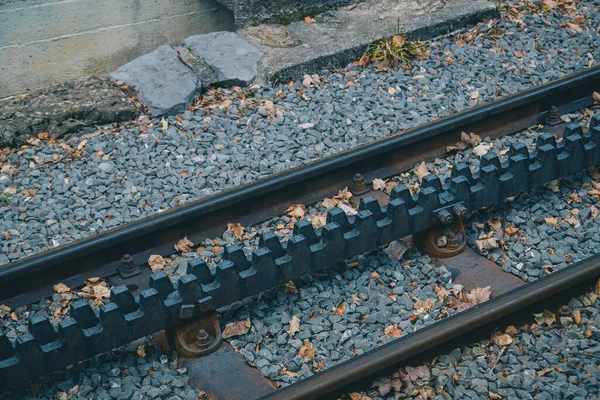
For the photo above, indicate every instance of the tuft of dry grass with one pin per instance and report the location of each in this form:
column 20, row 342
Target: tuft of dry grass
column 392, row 52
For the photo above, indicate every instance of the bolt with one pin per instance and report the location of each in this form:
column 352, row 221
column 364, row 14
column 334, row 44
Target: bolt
column 127, row 268
column 453, row 240
column 444, row 217
column 553, row 118
column 460, row 211
column 202, row 339
column 358, row 185
column 358, row 182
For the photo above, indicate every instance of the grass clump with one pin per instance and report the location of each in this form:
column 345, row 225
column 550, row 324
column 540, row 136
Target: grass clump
column 392, row 52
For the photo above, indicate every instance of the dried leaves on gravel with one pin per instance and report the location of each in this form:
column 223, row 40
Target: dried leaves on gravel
column 236, row 328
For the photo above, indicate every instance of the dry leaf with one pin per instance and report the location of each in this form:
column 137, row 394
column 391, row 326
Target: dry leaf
column 184, row 245
column 423, row 306
column 393, row 331
column 594, row 211
column 554, row 185
column 378, row 184
column 290, row 287
column 319, row 220
column 479, row 295
column 294, row 326
column 339, row 310
column 421, row 171
column 577, row 317
column 165, row 125
column 156, row 262
column 237, row 229
column 495, row 224
column 4, row 310
column 474, row 95
column 296, row 211
column 61, row 288
column 596, row 97
column 395, row 250
column 358, row 396
column 6, row 235
column 511, row 231
column 236, row 328
column 503, row 340
column 269, row 105
column 551, row 220
column 494, row 396
column 471, row 139
column 141, row 350
column 486, row 244
column 310, row 20
column 481, row 150
column 572, row 221
column 546, row 317
column 307, row 351
column 95, row 289
column 511, row 330
column 441, row 293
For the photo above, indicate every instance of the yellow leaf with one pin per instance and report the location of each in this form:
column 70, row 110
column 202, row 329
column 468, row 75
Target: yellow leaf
column 307, row 351
column 236, row 328
column 503, row 340
column 294, row 326
column 551, row 220
column 237, row 229
column 511, row 231
column 577, row 317
column 165, row 125
column 183, row 245
column 478, row 295
column 156, row 262
column 61, row 288
column 310, row 20
column 421, row 171
column 141, row 351
column 339, row 310
column 393, row 331
column 6, row 235
column 296, row 210
column 378, row 184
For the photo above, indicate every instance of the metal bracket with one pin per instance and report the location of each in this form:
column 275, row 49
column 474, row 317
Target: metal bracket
column 197, row 338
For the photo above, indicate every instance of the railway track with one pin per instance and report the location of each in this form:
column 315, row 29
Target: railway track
column 143, row 303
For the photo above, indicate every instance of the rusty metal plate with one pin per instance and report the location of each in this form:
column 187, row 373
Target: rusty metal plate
column 225, row 375
column 472, row 270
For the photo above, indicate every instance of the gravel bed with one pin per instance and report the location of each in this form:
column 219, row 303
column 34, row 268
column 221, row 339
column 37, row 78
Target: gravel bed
column 137, row 372
column 554, row 229
column 553, row 357
column 341, row 313
column 57, row 192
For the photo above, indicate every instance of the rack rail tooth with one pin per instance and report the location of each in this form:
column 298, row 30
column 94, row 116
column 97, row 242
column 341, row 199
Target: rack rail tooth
column 88, row 332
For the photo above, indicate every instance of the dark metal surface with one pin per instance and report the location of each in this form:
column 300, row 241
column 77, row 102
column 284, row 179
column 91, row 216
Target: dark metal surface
column 100, row 255
column 473, row 270
column 224, row 375
column 442, row 332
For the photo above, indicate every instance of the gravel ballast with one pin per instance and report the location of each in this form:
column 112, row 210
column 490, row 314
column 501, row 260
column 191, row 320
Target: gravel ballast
column 556, row 356
column 54, row 192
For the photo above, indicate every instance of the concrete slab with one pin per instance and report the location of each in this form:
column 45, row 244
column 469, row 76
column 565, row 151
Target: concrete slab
column 163, row 82
column 232, row 58
column 44, row 42
column 340, row 37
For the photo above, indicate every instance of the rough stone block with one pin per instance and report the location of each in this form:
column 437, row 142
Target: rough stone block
column 233, row 59
column 163, row 82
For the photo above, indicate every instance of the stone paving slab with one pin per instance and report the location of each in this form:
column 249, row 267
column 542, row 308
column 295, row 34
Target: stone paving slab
column 163, row 82
column 340, row 37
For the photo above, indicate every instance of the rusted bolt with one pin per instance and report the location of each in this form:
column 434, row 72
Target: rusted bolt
column 460, row 211
column 453, row 240
column 358, row 182
column 553, row 117
column 202, row 339
column 127, row 268
column 358, row 185
column 444, row 217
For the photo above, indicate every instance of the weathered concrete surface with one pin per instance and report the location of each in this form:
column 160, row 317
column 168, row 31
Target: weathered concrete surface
column 252, row 12
column 340, row 37
column 232, row 58
column 63, row 109
column 43, row 42
column 163, row 82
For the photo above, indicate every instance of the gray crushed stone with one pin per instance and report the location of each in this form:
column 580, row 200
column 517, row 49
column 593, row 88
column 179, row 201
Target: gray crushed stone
column 123, row 175
column 369, row 297
column 556, row 361
column 122, row 374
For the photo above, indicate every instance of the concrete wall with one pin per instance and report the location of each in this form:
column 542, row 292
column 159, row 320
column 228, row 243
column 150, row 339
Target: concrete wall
column 43, row 42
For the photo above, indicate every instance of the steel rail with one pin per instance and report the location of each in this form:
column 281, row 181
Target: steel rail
column 252, row 203
column 439, row 333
